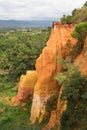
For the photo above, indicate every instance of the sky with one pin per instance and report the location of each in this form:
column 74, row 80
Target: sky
column 37, row 9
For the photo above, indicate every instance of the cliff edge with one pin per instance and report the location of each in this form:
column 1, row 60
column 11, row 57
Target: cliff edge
column 47, row 66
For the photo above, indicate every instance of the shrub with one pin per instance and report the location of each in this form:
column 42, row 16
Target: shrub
column 75, row 92
column 66, row 18
column 80, row 33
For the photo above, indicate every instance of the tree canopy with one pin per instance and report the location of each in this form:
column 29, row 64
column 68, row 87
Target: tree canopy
column 19, row 50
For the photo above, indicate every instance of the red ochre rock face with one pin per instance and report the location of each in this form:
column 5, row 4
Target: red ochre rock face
column 26, row 87
column 56, row 114
column 47, row 67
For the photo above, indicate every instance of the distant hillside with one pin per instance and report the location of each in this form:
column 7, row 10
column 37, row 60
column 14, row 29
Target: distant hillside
column 78, row 15
column 14, row 23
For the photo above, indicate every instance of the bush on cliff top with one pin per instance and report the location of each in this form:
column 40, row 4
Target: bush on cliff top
column 80, row 33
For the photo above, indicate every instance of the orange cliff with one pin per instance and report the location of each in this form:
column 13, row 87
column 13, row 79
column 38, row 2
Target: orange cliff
column 80, row 61
column 47, row 67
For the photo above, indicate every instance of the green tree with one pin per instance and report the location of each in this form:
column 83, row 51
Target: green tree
column 75, row 92
column 74, row 12
column 19, row 50
column 85, row 3
column 80, row 33
column 66, row 19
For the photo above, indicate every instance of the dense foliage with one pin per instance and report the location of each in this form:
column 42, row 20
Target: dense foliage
column 66, row 18
column 78, row 15
column 19, row 49
column 80, row 33
column 75, row 92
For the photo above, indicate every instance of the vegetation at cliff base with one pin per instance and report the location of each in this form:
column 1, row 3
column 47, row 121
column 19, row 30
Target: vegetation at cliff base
column 13, row 117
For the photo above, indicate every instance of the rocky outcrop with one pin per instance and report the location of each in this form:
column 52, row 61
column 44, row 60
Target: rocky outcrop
column 26, row 87
column 46, row 68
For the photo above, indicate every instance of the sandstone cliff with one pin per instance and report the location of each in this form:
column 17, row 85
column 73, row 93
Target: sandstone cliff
column 46, row 68
column 80, row 61
column 26, row 87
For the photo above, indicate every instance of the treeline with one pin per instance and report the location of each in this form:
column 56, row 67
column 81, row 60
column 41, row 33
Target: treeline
column 20, row 49
column 78, row 15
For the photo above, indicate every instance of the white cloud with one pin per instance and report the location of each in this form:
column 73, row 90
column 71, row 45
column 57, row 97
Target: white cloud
column 37, row 9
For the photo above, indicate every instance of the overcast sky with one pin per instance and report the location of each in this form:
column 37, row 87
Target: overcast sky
column 37, row 9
